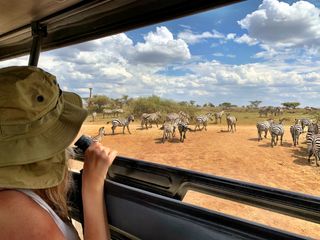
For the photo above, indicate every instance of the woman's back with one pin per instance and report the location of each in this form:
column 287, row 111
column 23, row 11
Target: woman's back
column 22, row 218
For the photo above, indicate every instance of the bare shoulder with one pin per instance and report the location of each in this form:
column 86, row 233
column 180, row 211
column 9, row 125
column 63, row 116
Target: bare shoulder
column 22, row 218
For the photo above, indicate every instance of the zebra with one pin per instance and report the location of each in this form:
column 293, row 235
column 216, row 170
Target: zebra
column 316, row 148
column 101, row 133
column 107, row 112
column 312, row 131
column 218, row 115
column 232, row 122
column 202, row 120
column 278, row 111
column 305, row 122
column 149, row 118
column 122, row 123
column 183, row 128
column 264, row 111
column 117, row 111
column 93, row 115
column 276, row 130
column 174, row 118
column 263, row 127
column 295, row 131
column 168, row 131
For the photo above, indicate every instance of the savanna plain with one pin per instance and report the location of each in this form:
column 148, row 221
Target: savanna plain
column 218, row 152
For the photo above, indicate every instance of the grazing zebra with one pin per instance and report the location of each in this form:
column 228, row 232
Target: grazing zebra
column 276, row 130
column 175, row 118
column 263, row 127
column 295, row 131
column 122, row 123
column 305, row 122
column 218, row 115
column 107, row 112
column 168, row 131
column 312, row 131
column 278, row 111
column 232, row 122
column 183, row 128
column 98, row 137
column 202, row 120
column 116, row 112
column 172, row 117
column 150, row 118
column 264, row 111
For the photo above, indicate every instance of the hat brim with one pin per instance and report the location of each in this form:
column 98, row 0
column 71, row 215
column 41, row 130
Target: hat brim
column 34, row 154
column 39, row 175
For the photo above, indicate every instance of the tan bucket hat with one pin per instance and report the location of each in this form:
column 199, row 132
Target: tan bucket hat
column 37, row 122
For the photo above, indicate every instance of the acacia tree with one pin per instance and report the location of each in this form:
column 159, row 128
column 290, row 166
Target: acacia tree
column 226, row 105
column 255, row 103
column 290, row 105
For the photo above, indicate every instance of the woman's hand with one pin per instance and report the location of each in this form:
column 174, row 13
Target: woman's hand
column 97, row 161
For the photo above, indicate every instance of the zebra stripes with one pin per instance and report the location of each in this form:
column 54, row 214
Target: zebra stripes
column 313, row 130
column 305, row 122
column 202, row 120
column 218, row 115
column 263, row 127
column 122, row 123
column 183, row 128
column 149, row 119
column 114, row 112
column 276, row 130
column 232, row 123
column 101, row 133
column 316, row 148
column 295, row 131
column 168, row 131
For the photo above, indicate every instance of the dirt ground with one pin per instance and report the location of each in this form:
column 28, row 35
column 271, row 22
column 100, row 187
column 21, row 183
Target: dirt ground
column 237, row 156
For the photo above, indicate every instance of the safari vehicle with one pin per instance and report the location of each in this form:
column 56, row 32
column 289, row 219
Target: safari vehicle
column 145, row 199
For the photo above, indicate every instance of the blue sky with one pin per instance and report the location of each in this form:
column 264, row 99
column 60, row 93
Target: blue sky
column 254, row 50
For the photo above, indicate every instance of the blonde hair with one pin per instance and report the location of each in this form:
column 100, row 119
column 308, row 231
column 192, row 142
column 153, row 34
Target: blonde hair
column 57, row 197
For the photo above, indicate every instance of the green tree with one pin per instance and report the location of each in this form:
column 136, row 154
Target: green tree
column 192, row 102
column 210, row 104
column 290, row 105
column 255, row 103
column 225, row 105
column 99, row 101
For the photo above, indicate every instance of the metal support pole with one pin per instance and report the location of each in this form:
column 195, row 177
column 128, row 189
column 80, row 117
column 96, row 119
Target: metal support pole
column 38, row 32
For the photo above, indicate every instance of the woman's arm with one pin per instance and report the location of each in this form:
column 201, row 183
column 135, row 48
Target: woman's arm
column 97, row 161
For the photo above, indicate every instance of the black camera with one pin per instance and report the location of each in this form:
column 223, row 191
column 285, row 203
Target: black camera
column 81, row 146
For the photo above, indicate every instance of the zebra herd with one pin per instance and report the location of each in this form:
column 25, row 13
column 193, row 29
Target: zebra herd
column 277, row 131
column 181, row 121
column 172, row 122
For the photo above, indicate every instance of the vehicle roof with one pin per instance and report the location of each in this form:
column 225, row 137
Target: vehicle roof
column 69, row 22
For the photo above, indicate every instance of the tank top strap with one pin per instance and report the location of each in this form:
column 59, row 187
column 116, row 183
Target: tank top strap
column 64, row 228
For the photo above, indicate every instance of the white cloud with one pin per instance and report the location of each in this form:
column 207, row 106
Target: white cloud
column 219, row 54
column 246, row 39
column 107, row 65
column 281, row 25
column 190, row 37
column 160, row 47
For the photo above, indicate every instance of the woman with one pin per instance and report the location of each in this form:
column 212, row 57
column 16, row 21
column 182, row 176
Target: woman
column 38, row 122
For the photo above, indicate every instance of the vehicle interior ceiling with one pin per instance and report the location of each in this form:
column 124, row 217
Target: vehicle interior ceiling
column 61, row 23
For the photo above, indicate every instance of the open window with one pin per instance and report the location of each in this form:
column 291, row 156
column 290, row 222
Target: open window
column 239, row 57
